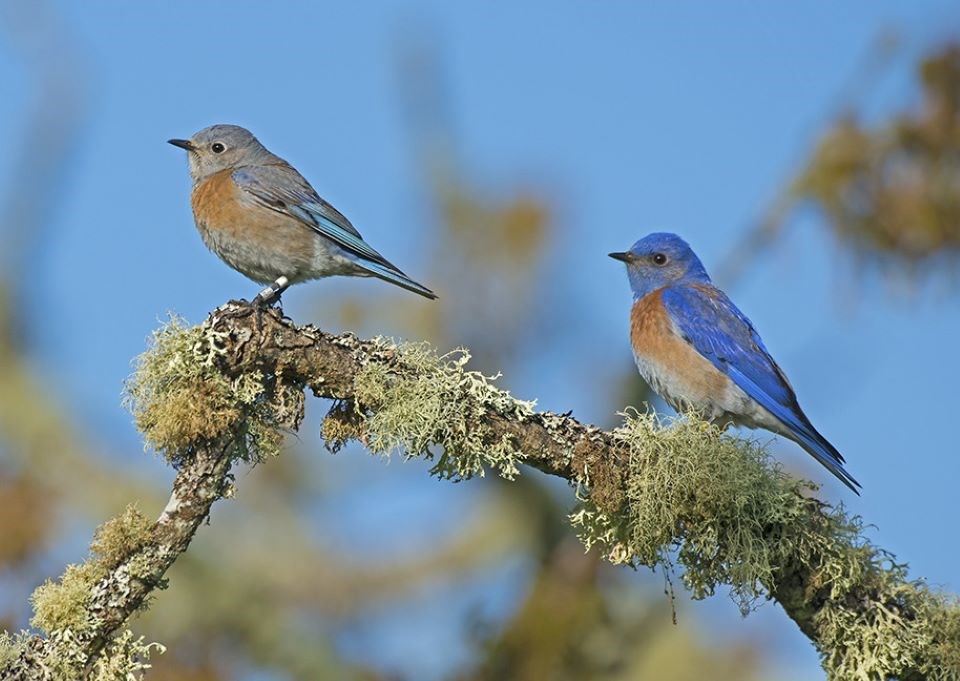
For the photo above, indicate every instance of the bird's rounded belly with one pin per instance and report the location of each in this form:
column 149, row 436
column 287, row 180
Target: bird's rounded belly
column 679, row 374
column 257, row 243
column 264, row 254
column 699, row 390
column 244, row 258
column 703, row 389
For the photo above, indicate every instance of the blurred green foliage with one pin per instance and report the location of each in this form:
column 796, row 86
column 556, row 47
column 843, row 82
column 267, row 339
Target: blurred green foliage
column 889, row 191
column 892, row 192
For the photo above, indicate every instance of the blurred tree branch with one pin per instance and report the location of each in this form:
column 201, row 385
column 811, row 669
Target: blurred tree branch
column 227, row 390
column 58, row 68
column 889, row 192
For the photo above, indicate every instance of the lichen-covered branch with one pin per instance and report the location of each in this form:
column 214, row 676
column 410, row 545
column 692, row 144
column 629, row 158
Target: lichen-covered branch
column 86, row 609
column 682, row 494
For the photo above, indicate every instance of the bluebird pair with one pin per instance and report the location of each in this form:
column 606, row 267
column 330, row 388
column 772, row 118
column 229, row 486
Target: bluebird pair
column 691, row 344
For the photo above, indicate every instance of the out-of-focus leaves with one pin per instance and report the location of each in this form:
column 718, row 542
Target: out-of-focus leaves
column 889, row 192
column 47, row 47
column 177, row 671
column 25, row 516
column 893, row 193
column 576, row 625
column 547, row 638
column 491, row 242
column 490, row 254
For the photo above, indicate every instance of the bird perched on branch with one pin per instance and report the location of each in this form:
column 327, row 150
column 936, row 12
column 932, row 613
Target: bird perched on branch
column 256, row 212
column 698, row 351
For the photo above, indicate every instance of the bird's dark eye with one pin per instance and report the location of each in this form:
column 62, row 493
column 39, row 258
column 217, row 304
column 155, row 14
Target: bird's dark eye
column 659, row 259
column 218, row 148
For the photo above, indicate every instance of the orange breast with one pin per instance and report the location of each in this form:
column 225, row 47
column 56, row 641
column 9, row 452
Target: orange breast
column 260, row 242
column 216, row 204
column 672, row 367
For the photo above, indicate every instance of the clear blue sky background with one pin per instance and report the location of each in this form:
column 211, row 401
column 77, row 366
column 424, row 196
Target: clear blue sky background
column 635, row 116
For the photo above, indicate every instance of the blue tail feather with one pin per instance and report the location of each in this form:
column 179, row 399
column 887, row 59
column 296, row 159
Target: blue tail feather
column 803, row 431
column 824, row 452
column 396, row 277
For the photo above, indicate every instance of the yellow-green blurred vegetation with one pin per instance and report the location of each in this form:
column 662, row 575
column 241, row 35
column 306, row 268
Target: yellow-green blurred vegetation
column 890, row 190
column 893, row 192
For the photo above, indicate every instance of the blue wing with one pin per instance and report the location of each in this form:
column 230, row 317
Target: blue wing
column 282, row 189
column 713, row 325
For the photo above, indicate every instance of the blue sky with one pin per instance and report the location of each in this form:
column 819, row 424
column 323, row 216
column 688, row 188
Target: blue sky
column 633, row 117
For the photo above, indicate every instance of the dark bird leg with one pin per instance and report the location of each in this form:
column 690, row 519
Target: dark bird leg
column 271, row 294
column 267, row 297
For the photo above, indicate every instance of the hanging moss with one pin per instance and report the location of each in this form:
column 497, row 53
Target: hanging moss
column 721, row 511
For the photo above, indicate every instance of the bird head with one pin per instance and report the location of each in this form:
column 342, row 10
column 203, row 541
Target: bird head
column 661, row 259
column 222, row 147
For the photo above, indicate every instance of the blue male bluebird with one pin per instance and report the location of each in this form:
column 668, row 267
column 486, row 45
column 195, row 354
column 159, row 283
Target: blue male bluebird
column 698, row 351
column 256, row 212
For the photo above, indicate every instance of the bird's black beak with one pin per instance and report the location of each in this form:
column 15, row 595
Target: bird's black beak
column 623, row 257
column 183, row 144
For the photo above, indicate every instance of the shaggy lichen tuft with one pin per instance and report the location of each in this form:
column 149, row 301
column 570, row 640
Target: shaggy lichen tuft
column 717, row 507
column 121, row 537
column 431, row 401
column 11, row 646
column 62, row 605
column 179, row 398
column 127, row 657
column 944, row 619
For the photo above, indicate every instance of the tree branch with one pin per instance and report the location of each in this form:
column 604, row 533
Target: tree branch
column 651, row 495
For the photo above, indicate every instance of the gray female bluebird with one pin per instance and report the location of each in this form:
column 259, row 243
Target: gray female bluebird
column 697, row 350
column 256, row 212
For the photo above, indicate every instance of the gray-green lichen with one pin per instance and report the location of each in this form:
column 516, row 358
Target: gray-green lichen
column 61, row 608
column 690, row 470
column 125, row 658
column 11, row 645
column 63, row 605
column 179, row 399
column 719, row 509
column 433, row 402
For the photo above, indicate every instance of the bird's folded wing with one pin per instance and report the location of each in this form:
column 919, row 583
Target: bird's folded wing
column 282, row 189
column 708, row 320
column 712, row 324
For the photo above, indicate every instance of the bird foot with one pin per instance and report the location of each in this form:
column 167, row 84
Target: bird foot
column 267, row 298
column 271, row 294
